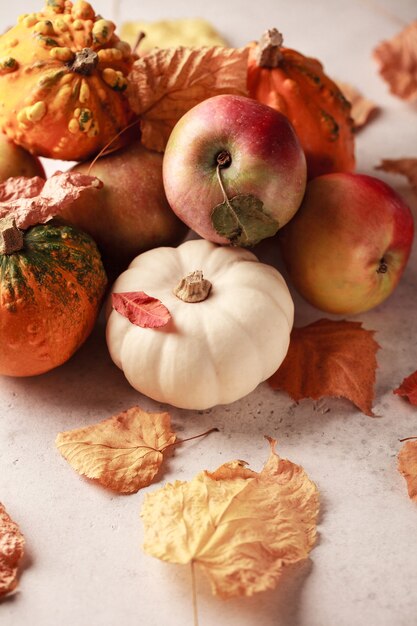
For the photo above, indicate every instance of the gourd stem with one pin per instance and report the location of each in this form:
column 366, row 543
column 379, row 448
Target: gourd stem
column 85, row 62
column 11, row 237
column 269, row 49
column 193, row 287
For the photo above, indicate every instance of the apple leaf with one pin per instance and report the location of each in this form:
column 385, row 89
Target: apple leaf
column 407, row 466
column 408, row 388
column 141, row 309
column 397, row 60
column 243, row 220
column 406, row 166
column 165, row 83
column 241, row 527
column 330, row 358
column 12, row 545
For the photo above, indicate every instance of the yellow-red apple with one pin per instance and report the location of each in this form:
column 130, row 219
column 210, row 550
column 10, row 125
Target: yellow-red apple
column 346, row 248
column 15, row 161
column 234, row 170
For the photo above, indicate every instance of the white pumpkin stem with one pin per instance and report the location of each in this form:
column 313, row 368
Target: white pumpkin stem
column 269, row 49
column 193, row 287
column 11, row 238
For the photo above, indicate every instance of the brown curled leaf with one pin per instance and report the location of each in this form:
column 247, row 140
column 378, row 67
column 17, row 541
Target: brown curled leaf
column 330, row 358
column 408, row 388
column 32, row 201
column 407, row 167
column 397, row 60
column 165, row 83
column 12, row 545
column 362, row 109
column 407, row 466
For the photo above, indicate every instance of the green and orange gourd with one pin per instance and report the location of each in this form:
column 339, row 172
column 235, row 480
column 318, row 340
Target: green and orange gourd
column 63, row 76
column 51, row 286
column 298, row 87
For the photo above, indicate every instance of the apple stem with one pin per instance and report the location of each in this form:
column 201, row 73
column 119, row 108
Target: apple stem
column 407, row 439
column 11, row 237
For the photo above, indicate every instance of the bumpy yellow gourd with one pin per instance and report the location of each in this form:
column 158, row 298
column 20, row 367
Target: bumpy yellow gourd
column 63, row 74
column 212, row 351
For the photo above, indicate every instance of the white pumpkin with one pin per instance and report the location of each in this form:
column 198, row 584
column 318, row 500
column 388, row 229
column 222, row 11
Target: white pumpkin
column 211, row 352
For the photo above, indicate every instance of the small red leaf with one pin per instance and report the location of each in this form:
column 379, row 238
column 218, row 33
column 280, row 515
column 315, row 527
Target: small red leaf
column 141, row 309
column 408, row 388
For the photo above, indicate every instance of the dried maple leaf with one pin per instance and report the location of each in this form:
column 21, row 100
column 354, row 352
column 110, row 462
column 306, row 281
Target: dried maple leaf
column 12, row 545
column 165, row 84
column 397, row 60
column 330, row 358
column 407, row 167
column 33, row 201
column 408, row 388
column 141, row 309
column 123, row 452
column 407, row 465
column 241, row 527
column 362, row 108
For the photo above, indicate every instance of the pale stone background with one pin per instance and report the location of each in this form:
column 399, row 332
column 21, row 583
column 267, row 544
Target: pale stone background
column 84, row 565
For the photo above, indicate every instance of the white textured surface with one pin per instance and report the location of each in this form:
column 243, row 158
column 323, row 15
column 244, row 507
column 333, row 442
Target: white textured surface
column 84, row 564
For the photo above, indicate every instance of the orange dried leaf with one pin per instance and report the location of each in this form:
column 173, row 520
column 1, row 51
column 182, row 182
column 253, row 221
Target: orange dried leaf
column 241, row 527
column 166, row 83
column 407, row 466
column 123, row 452
column 330, row 358
column 408, row 388
column 397, row 60
column 362, row 109
column 141, row 309
column 34, row 200
column 407, row 167
column 12, row 545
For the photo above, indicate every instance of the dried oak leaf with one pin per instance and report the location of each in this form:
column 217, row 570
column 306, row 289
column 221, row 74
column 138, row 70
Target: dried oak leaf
column 241, row 527
column 166, row 83
column 123, row 452
column 34, row 200
column 397, row 60
column 12, row 545
column 408, row 388
column 330, row 358
column 362, row 109
column 407, row 466
column 406, row 166
column 141, row 309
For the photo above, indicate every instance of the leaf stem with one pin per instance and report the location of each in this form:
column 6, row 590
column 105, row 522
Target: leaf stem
column 175, row 443
column 407, row 438
column 194, row 591
column 219, row 178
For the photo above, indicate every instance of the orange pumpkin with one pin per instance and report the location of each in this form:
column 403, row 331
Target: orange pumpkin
column 63, row 73
column 297, row 86
column 51, row 285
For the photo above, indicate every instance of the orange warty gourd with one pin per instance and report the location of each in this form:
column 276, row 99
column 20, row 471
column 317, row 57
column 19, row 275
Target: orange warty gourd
column 297, row 86
column 63, row 73
column 51, row 285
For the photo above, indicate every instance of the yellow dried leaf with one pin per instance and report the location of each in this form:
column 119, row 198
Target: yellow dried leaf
column 192, row 31
column 12, row 545
column 406, row 166
column 241, row 527
column 362, row 108
column 165, row 84
column 407, row 465
column 397, row 60
column 123, row 452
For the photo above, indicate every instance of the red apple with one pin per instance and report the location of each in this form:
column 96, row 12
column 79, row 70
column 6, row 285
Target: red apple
column 348, row 244
column 248, row 149
column 15, row 161
column 130, row 214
